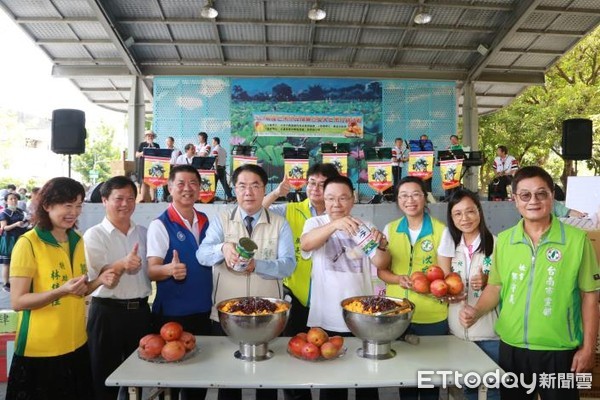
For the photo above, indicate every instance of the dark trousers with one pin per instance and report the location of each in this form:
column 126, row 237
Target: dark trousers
column 497, row 188
column 222, row 177
column 437, row 328
column 529, row 362
column 296, row 324
column 197, row 324
column 396, row 174
column 236, row 394
column 114, row 332
column 342, row 394
column 66, row 377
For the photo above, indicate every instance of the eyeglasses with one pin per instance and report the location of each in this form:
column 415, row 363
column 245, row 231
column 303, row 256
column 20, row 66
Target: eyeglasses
column 469, row 213
column 539, row 196
column 313, row 184
column 253, row 188
column 342, row 199
column 412, row 196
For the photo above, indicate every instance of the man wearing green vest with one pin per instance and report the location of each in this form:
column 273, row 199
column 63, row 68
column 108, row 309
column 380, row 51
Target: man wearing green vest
column 545, row 276
column 298, row 284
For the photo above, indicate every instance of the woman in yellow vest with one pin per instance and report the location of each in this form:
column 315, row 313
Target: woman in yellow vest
column 48, row 284
column 413, row 242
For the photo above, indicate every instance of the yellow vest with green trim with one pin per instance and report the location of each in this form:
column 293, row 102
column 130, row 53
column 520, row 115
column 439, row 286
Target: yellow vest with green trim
column 299, row 282
column 59, row 327
column 407, row 259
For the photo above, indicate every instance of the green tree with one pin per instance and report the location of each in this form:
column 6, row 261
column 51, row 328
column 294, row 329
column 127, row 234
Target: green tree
column 531, row 127
column 98, row 155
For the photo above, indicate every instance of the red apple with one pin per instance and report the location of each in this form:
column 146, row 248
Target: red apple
column 310, row 351
column 455, row 283
column 417, row 274
column 151, row 346
column 295, row 345
column 420, row 285
column 317, row 336
column 329, row 350
column 338, row 341
column 434, row 272
column 188, row 340
column 438, row 288
column 171, row 331
column 303, row 336
column 173, row 351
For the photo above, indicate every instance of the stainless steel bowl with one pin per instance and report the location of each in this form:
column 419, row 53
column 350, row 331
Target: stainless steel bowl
column 376, row 331
column 253, row 332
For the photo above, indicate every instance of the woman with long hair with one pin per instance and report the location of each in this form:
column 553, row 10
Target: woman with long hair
column 466, row 248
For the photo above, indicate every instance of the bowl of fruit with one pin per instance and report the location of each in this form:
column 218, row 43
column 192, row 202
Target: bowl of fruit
column 253, row 322
column 316, row 345
column 173, row 344
column 377, row 320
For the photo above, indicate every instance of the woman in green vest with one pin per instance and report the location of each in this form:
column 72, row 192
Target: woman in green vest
column 413, row 242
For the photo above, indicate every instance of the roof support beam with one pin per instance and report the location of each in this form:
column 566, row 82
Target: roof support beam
column 358, row 36
column 110, row 26
column 325, row 24
column 302, row 71
column 521, row 13
column 552, row 32
column 515, row 78
column 73, row 71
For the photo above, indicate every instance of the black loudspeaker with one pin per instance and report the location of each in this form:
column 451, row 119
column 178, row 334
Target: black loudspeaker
column 577, row 139
column 68, row 131
column 93, row 194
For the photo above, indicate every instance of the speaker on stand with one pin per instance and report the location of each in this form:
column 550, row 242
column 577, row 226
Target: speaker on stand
column 577, row 139
column 68, row 132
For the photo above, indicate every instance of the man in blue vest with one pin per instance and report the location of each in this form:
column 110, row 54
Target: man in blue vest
column 183, row 285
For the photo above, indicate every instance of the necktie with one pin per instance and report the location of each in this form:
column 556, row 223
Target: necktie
column 249, row 220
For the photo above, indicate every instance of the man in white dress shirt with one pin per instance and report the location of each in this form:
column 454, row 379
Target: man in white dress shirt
column 221, row 166
column 118, row 316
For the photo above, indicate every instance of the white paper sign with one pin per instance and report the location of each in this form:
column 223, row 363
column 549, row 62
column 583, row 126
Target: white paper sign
column 583, row 194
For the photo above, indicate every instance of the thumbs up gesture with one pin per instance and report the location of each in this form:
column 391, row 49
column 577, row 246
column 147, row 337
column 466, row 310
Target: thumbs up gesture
column 468, row 315
column 133, row 261
column 178, row 269
column 479, row 280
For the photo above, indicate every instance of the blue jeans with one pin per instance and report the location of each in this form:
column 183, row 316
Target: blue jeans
column 434, row 329
column 492, row 349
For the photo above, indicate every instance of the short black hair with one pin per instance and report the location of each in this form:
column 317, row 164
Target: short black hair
column 183, row 168
column 171, row 138
column 341, row 179
column 454, row 136
column 203, row 135
column 117, row 182
column 10, row 186
column 411, row 179
column 328, row 170
column 532, row 171
column 398, row 138
column 7, row 195
column 503, row 148
column 188, row 146
column 255, row 169
column 216, row 139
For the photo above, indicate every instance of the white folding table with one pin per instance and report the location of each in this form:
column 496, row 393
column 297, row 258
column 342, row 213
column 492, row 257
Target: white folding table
column 214, row 366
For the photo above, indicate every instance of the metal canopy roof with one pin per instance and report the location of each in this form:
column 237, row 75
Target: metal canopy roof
column 501, row 45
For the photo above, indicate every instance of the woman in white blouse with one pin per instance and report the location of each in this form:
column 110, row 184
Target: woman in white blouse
column 466, row 247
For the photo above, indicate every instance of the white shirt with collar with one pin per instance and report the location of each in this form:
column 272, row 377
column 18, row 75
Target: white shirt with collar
column 203, row 150
column 184, row 160
column 220, row 154
column 174, row 156
column 105, row 244
column 158, row 238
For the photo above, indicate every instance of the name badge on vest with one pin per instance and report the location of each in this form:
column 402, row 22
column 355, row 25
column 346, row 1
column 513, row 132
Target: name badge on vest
column 427, row 245
column 181, row 236
column 553, row 255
